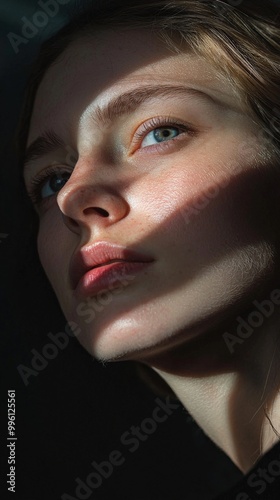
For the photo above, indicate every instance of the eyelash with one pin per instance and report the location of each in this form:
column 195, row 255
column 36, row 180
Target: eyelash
column 37, row 183
column 160, row 122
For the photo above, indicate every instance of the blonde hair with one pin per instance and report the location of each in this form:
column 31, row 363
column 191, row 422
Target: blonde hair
column 241, row 38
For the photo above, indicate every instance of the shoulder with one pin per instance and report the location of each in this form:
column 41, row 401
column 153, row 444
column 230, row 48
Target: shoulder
column 261, row 482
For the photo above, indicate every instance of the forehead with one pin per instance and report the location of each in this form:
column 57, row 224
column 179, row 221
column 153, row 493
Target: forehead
column 92, row 70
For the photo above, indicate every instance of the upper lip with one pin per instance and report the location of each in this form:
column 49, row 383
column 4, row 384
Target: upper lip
column 98, row 254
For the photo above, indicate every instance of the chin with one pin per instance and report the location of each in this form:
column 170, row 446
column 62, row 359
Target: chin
column 114, row 344
column 128, row 339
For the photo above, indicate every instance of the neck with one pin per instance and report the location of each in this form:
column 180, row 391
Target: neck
column 230, row 399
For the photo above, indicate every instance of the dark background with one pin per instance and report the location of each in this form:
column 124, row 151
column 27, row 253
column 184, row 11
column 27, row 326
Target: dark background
column 75, row 410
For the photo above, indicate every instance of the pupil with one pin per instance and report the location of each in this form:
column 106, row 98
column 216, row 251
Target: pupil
column 166, row 133
column 58, row 181
column 162, row 134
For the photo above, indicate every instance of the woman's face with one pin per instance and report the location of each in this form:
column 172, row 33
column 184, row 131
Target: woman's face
column 163, row 162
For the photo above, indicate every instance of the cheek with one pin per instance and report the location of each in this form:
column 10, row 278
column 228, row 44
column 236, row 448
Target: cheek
column 183, row 192
column 213, row 206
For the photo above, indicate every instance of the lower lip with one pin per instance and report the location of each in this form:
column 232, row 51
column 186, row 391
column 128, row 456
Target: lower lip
column 107, row 277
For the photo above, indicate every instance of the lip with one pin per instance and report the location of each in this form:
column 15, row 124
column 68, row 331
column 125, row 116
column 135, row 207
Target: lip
column 100, row 265
column 108, row 277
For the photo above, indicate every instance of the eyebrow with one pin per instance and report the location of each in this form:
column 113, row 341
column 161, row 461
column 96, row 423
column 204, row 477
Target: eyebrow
column 45, row 144
column 121, row 105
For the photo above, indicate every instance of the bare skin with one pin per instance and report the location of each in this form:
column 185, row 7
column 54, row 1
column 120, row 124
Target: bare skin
column 196, row 201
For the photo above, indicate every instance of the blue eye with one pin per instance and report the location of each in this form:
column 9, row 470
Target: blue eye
column 54, row 183
column 160, row 131
column 47, row 184
column 161, row 134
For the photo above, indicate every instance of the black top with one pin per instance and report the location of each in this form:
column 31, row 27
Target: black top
column 262, row 482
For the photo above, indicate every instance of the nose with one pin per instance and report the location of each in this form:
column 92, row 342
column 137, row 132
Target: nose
column 87, row 201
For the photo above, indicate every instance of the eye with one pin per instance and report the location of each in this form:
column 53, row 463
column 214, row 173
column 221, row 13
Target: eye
column 161, row 134
column 47, row 184
column 55, row 183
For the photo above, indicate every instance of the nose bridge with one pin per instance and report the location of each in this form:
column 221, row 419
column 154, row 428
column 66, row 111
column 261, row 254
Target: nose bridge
column 92, row 195
column 90, row 177
column 85, row 172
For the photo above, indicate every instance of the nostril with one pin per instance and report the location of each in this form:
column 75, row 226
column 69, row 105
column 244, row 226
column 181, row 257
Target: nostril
column 102, row 212
column 99, row 210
